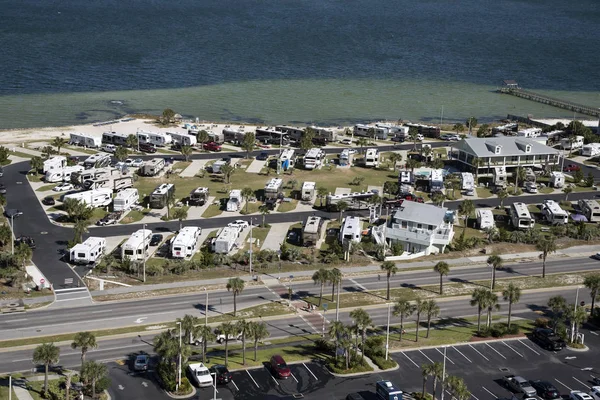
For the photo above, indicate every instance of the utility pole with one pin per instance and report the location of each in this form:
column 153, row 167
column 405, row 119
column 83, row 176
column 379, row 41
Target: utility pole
column 144, row 255
column 12, row 231
column 387, row 333
column 251, row 246
column 337, row 302
column 492, row 277
column 574, row 312
column 179, row 368
column 443, row 374
column 206, row 308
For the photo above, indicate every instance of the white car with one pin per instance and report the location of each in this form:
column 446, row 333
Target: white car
column 531, row 187
column 201, row 374
column 420, row 137
column 221, row 338
column 138, row 162
column 239, row 223
column 351, row 151
column 579, row 395
column 595, row 392
column 346, row 141
column 63, row 187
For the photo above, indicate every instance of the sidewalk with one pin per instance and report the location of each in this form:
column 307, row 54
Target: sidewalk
column 195, row 167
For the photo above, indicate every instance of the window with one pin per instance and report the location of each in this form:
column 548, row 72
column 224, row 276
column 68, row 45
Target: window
column 431, row 227
column 80, row 255
column 404, row 224
column 128, row 252
column 419, row 226
column 498, row 149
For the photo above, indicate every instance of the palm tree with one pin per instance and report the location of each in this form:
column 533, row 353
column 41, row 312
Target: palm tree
column 419, row 308
column 434, row 370
column 403, row 309
column 93, row 372
column 342, row 206
column 466, row 208
column 23, row 253
column 567, row 190
column 495, row 262
column 248, row 142
column 491, row 301
column 5, row 234
column 458, row 388
column 79, row 229
column 321, row 194
column 395, row 158
column 36, row 163
column 336, row 329
column 413, row 134
column 186, row 152
column 202, row 138
column 335, row 278
column 180, row 214
column 390, row 269
column 577, row 315
column 264, row 210
column 47, row 151
column 236, row 286
column 346, row 343
column 243, row 328
column 411, row 164
column 471, row 123
column 363, row 321
column 547, row 245
column 166, row 346
column 132, row 141
column 458, row 128
column 84, row 341
column 362, row 142
column 478, row 298
column 206, row 334
column 228, row 330
column 502, row 195
column 438, row 198
column 188, row 326
column 247, row 193
column 512, row 294
column 557, row 305
column 46, row 354
column 519, row 177
column 227, row 171
column 321, row 277
column 58, row 142
column 170, row 202
column 257, row 331
column 121, row 153
column 592, row 282
column 432, row 310
column 442, row 268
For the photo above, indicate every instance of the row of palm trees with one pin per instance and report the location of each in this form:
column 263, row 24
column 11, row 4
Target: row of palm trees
column 453, row 384
column 324, row 277
column 486, row 300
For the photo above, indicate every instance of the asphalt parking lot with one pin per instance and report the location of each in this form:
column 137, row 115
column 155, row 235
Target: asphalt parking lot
column 127, row 384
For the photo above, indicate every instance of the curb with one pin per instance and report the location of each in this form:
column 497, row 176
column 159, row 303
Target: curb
column 586, row 348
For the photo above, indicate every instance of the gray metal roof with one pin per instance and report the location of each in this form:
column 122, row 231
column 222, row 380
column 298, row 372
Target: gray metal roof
column 510, row 146
column 421, row 213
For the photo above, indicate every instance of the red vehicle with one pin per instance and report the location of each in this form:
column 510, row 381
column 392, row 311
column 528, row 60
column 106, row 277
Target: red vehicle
column 147, row 148
column 279, row 367
column 212, row 146
column 571, row 168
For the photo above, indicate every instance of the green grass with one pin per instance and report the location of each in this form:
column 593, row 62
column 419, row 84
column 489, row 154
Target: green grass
column 133, row 216
column 181, row 165
column 45, row 188
column 250, row 208
column 484, row 193
column 546, row 190
column 22, row 155
column 4, row 389
column 582, row 189
column 172, row 213
column 261, row 311
column 287, row 206
column 260, row 234
column 424, row 195
column 35, row 177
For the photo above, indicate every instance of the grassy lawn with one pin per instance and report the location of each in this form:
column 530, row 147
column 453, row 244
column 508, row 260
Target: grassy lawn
column 484, row 193
column 35, row 177
column 212, row 211
column 133, row 216
column 582, row 189
column 251, row 208
column 424, row 195
column 172, row 213
column 264, row 310
column 45, row 188
column 287, row 206
column 546, row 190
column 260, row 234
column 181, row 165
column 22, row 155
column 4, row 389
column 78, row 149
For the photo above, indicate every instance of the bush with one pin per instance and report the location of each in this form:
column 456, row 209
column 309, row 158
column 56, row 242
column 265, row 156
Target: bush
column 374, row 347
column 485, row 332
column 541, row 322
column 324, row 346
column 154, row 270
column 339, row 366
column 166, row 376
column 513, row 330
column 185, row 388
column 498, row 330
column 382, row 363
column 397, row 249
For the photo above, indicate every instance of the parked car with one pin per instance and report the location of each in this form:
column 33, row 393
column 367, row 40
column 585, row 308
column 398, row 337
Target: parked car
column 109, row 148
column 110, row 219
column 147, row 148
column 63, row 187
column 595, row 392
column 571, row 168
column 222, row 373
column 420, row 137
column 156, row 239
column 12, row 213
column 548, row 339
column 212, row 146
column 48, row 201
column 518, row 384
column 138, row 162
column 346, row 141
column 141, row 362
column 446, row 136
column 239, row 223
column 221, row 338
column 579, row 395
column 398, row 139
column 27, row 240
column 531, row 187
column 279, row 367
column 545, row 389
column 2, row 189
column 263, row 156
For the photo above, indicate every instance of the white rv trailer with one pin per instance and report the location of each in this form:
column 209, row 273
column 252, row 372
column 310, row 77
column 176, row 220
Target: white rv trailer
column 98, row 160
column 54, row 163
column 199, row 196
column 520, row 216
column 436, row 180
column 311, row 231
column 356, row 200
column 377, row 131
column 530, row 132
column 225, row 240
column 571, row 143
column 136, row 247
column 62, row 175
column 116, row 138
column 235, row 200
column 468, row 181
column 314, row 158
column 183, row 139
column 590, row 150
column 159, row 139
column 557, row 179
column 152, row 167
column 126, row 199
column 485, row 218
column 500, row 177
column 372, row 158
column 350, row 230
column 93, row 198
column 273, row 190
column 85, row 140
column 554, row 213
column 591, row 209
column 88, row 252
column 160, row 195
column 287, row 159
column 308, row 191
column 77, row 178
column 185, row 244
column 114, row 183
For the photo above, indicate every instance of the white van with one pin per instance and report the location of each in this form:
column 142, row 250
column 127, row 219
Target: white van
column 109, row 148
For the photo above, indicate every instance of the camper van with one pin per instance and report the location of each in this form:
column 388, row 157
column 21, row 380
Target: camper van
column 557, row 179
column 183, row 139
column 485, row 218
column 136, row 247
column 199, row 196
column 553, row 213
column 160, row 195
column 273, row 191
column 591, row 209
column 85, row 140
column 308, row 191
column 314, row 158
column 287, row 159
column 126, row 199
column 54, row 163
column 152, row 167
column 185, row 244
column 88, row 252
column 225, row 240
column 520, row 216
column 577, row 143
column 158, row 139
column 235, row 200
column 372, row 158
column 93, row 198
column 590, row 150
column 98, row 160
column 62, row 175
column 311, row 231
column 350, row 230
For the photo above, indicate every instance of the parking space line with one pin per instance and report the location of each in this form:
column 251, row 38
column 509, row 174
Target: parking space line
column 314, row 376
column 493, row 395
column 236, row 387
column 448, row 358
column 294, row 377
column 520, row 341
column 274, row 380
column 473, row 396
column 466, row 358
column 424, row 355
column 500, row 354
column 409, row 359
column 252, row 379
column 478, row 352
column 562, row 384
column 582, row 383
column 504, row 343
column 216, row 390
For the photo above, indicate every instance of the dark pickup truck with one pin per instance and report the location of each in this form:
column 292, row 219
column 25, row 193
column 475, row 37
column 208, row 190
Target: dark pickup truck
column 547, row 339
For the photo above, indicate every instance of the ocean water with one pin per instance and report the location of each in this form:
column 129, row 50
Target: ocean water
column 292, row 61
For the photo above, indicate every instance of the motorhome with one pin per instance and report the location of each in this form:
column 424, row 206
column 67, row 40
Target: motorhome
column 136, row 247
column 115, row 138
column 436, row 180
column 234, row 136
column 114, row 183
column 225, row 240
column 235, row 200
column 371, row 131
column 62, row 175
column 590, row 150
column 591, row 209
column 346, row 157
column 216, row 137
column 272, row 136
column 553, row 213
column 295, row 133
column 372, row 158
column 350, row 230
column 530, row 132
column 557, row 179
column 467, row 181
column 314, row 158
column 287, row 159
column 500, row 178
column 405, row 178
column 152, row 167
column 77, row 178
column 572, row 143
column 93, row 198
column 183, row 139
column 126, row 199
column 160, row 196
column 356, row 200
column 185, row 244
column 158, row 139
column 85, row 140
column 520, row 216
column 87, row 252
column 54, row 163
column 273, row 191
column 485, row 218
column 199, row 196
column 308, row 191
column 311, row 231
column 98, row 160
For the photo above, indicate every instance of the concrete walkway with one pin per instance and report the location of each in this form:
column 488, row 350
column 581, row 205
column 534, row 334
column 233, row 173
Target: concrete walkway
column 195, row 167
column 276, row 236
column 256, row 166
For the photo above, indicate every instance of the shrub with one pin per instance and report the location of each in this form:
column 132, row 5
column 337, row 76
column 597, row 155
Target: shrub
column 498, row 330
column 186, row 386
column 166, row 376
column 485, row 332
column 154, row 270
column 339, row 366
column 324, row 346
column 374, row 347
column 513, row 330
column 382, row 363
column 541, row 322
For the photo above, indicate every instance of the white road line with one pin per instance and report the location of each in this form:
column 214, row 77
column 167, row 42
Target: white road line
column 409, row 359
column 581, row 383
column 103, row 311
column 466, row 358
column 442, row 353
column 358, row 284
column 500, row 354
column 523, row 343
column 473, row 396
column 493, row 395
column 274, row 380
column 16, row 320
column 478, row 352
column 562, row 384
column 309, row 324
column 594, row 333
column 236, row 388
column 424, row 355
column 23, row 359
column 252, row 379
column 75, row 298
column 504, row 343
column 80, row 289
column 305, row 366
column 294, row 377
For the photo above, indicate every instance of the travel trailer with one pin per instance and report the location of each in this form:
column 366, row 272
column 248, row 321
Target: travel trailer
column 126, row 199
column 485, row 218
column 371, row 131
column 530, row 132
column 311, row 231
column 93, row 198
column 467, row 181
column 273, row 191
column 553, row 213
column 350, row 230
column 405, row 178
column 308, row 191
column 185, row 244
column 160, row 195
column 136, row 247
column 557, row 179
column 183, row 139
column 98, row 160
column 355, row 201
column 77, row 178
column 569, row 143
column 62, row 175
column 115, row 138
column 372, row 158
column 88, row 252
column 199, row 196
column 85, row 140
column 235, row 200
column 54, row 163
column 287, row 159
column 500, row 177
column 346, row 158
column 217, row 165
column 436, row 180
column 314, row 158
column 591, row 209
column 225, row 240
column 590, row 150
column 520, row 216
column 158, row 139
column 233, row 136
column 152, row 167
column 114, row 183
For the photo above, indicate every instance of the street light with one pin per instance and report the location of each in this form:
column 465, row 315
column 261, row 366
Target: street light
column 387, row 333
column 12, row 231
column 337, row 302
column 144, row 255
column 251, row 246
column 10, row 387
column 206, row 308
column 574, row 313
column 444, row 373
column 179, row 366
column 492, row 277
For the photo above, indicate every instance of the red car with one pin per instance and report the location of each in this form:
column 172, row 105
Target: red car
column 212, row 146
column 279, row 367
column 571, row 168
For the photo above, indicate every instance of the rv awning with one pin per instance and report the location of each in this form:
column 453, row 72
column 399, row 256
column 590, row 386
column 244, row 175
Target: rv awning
column 579, row 218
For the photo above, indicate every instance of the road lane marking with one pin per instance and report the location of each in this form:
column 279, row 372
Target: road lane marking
column 504, row 343
column 466, row 358
column 103, row 311
column 477, row 351
column 424, row 355
column 523, row 343
column 294, row 377
column 581, row 383
column 562, row 384
column 473, row 396
column 252, row 379
column 75, row 298
column 15, row 320
column 358, row 284
column 76, row 289
column 236, row 387
column 409, row 359
column 448, row 358
column 305, row 366
column 594, row 333
column 493, row 395
column 500, row 354
column 23, row 359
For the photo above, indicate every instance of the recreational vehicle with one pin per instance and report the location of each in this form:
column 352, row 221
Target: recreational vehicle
column 199, row 196
column 217, row 165
column 158, row 139
column 436, row 180
column 88, row 252
column 500, row 177
column 85, row 140
column 372, row 158
column 77, row 178
column 530, row 132
column 405, row 178
column 311, row 231
column 273, row 190
column 93, row 198
column 160, row 195
column 590, row 150
column 308, row 191
column 350, row 230
column 136, row 247
column 557, row 179
column 485, row 218
column 572, row 143
column 295, row 133
column 235, row 200
column 314, row 158
column 115, row 138
column 62, row 175
column 183, row 139
column 356, row 200
column 371, row 131
column 286, row 159
column 152, row 167
column 126, row 199
column 233, row 136
column 225, row 241
column 114, row 183
column 54, row 163
column 553, row 213
column 272, row 136
column 98, row 160
column 185, row 244
column 520, row 216
column 468, row 181
column 346, row 158
column 591, row 209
